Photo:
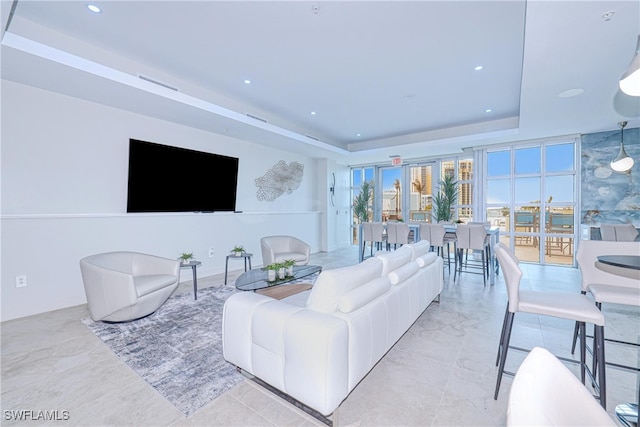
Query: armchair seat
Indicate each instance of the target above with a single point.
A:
(281, 248)
(123, 286)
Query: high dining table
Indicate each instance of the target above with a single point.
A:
(493, 231)
(627, 413)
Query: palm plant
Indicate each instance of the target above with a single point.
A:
(446, 198)
(362, 201)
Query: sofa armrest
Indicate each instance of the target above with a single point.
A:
(237, 315)
(299, 351)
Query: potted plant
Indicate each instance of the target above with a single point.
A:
(238, 250)
(282, 271)
(271, 272)
(362, 200)
(185, 257)
(289, 263)
(445, 199)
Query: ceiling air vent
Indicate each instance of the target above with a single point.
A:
(150, 80)
(257, 118)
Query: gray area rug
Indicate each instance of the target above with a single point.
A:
(178, 349)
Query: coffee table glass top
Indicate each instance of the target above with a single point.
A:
(257, 279)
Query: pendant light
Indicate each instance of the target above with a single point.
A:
(630, 80)
(623, 162)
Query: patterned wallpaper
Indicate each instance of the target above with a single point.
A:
(609, 196)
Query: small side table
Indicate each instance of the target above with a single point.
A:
(193, 265)
(245, 255)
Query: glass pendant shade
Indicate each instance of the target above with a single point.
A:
(623, 162)
(630, 80)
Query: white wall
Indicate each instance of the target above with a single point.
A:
(64, 181)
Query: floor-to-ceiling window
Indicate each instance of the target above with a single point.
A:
(462, 170)
(530, 195)
(421, 192)
(392, 191)
(360, 176)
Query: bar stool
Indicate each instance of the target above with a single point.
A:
(472, 237)
(600, 278)
(577, 307)
(439, 240)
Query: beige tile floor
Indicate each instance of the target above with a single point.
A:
(441, 372)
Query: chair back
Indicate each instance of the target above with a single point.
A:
(471, 236)
(391, 232)
(511, 272)
(425, 232)
(626, 233)
(608, 232)
(367, 232)
(618, 232)
(402, 233)
(377, 231)
(542, 390)
(437, 234)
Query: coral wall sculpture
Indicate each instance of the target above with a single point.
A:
(281, 178)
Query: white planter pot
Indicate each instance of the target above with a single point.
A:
(282, 273)
(271, 275)
(290, 271)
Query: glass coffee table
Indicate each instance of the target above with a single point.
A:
(253, 280)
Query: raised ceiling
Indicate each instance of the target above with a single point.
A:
(356, 80)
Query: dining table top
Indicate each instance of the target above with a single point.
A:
(623, 261)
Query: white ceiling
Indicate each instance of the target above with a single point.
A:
(400, 74)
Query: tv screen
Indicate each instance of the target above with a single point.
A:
(173, 179)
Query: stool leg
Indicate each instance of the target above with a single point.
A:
(504, 325)
(602, 381)
(505, 349)
(575, 333)
(583, 351)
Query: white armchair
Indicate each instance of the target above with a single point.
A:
(280, 248)
(122, 286)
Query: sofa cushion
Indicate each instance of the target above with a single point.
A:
(332, 284)
(419, 248)
(403, 272)
(426, 259)
(362, 295)
(393, 260)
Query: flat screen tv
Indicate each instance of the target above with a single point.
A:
(172, 179)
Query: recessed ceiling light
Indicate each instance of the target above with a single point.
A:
(571, 92)
(313, 113)
(357, 134)
(93, 8)
(247, 82)
(488, 110)
(478, 68)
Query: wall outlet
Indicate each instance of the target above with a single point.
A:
(21, 281)
(211, 252)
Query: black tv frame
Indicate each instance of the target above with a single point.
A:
(164, 178)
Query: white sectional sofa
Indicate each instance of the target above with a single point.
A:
(316, 346)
